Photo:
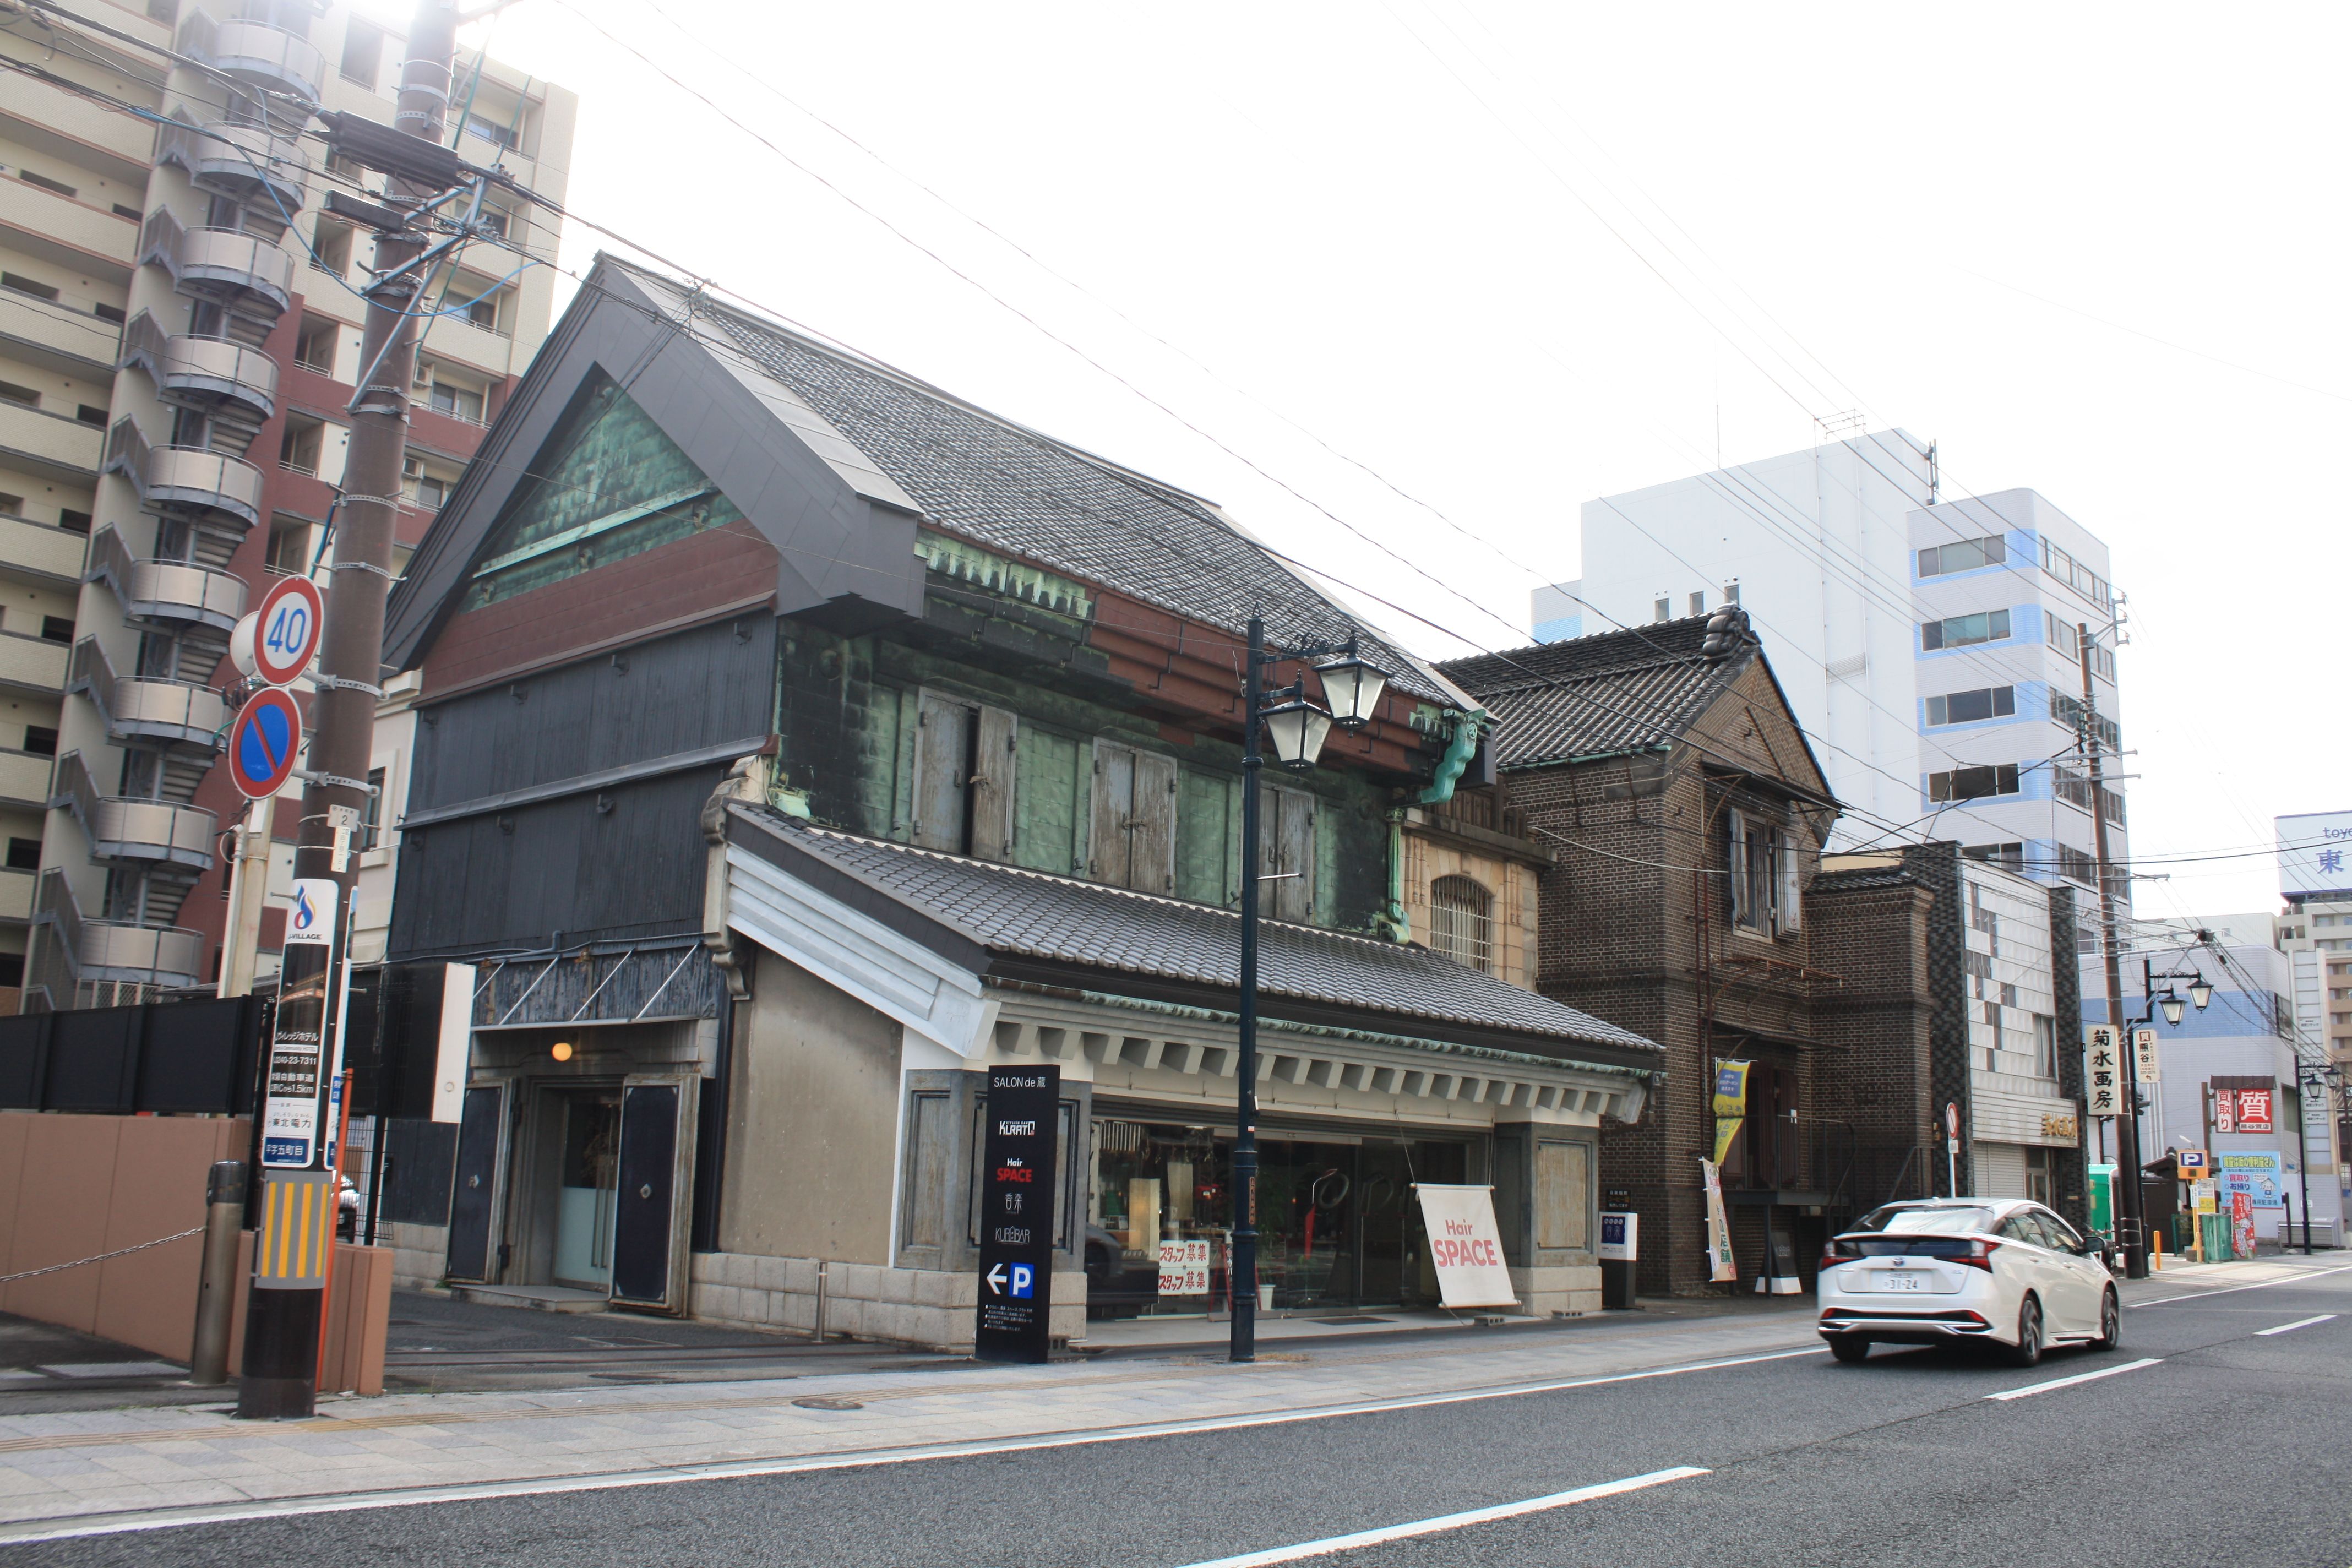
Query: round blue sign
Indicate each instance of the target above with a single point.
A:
(262, 743)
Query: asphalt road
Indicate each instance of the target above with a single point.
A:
(2233, 1446)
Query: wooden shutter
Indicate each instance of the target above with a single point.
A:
(994, 755)
(942, 753)
(1737, 859)
(1287, 827)
(1788, 893)
(1151, 840)
(1107, 844)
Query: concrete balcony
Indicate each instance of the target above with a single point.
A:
(209, 373)
(210, 485)
(25, 780)
(114, 951)
(49, 445)
(16, 895)
(224, 267)
(139, 832)
(32, 549)
(250, 162)
(170, 593)
(81, 132)
(270, 55)
(179, 713)
(58, 337)
(35, 666)
(66, 227)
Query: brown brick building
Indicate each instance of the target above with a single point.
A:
(1664, 767)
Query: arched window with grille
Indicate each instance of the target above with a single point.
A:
(1462, 922)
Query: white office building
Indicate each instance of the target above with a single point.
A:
(1929, 646)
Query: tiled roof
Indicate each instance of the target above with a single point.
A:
(1003, 485)
(1597, 696)
(1031, 914)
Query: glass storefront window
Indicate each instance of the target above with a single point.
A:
(1338, 1227)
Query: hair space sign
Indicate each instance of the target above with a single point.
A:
(1465, 1246)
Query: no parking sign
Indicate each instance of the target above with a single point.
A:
(263, 741)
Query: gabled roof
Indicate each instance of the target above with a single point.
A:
(833, 457)
(1024, 924)
(1599, 696)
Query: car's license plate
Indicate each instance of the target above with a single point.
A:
(1899, 1279)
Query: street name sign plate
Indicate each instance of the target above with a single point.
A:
(1016, 1214)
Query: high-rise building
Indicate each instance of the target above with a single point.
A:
(1929, 646)
(179, 339)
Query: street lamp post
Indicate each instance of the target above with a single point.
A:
(1298, 728)
(2200, 991)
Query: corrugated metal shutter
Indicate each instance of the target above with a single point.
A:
(2000, 1171)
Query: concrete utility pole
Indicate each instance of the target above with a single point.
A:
(280, 1376)
(2130, 1217)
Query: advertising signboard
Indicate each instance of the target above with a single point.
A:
(2259, 1176)
(2255, 1110)
(1465, 1246)
(1016, 1213)
(2103, 1071)
(2314, 853)
(303, 1031)
(2242, 1225)
(2146, 1062)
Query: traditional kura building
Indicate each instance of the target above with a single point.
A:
(795, 740)
(1692, 904)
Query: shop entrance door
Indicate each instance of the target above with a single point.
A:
(586, 1200)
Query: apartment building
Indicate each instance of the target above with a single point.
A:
(178, 337)
(1928, 648)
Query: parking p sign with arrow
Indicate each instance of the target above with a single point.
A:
(1016, 1213)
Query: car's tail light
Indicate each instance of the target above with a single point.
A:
(1838, 1252)
(1978, 1255)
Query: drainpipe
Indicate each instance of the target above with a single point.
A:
(1457, 760)
(1393, 922)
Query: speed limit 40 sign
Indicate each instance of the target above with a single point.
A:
(279, 639)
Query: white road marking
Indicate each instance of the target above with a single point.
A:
(2078, 1377)
(2290, 1328)
(743, 1469)
(2233, 1289)
(1449, 1521)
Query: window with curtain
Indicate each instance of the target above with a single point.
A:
(1462, 922)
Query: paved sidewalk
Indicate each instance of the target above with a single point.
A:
(73, 1465)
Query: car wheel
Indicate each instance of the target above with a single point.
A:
(2027, 1352)
(2111, 1322)
(1848, 1347)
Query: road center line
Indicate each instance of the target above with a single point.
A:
(2078, 1377)
(2233, 1289)
(2290, 1328)
(175, 1518)
(1445, 1521)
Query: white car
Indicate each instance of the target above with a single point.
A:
(1944, 1271)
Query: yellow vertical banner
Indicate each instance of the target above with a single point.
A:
(1730, 1104)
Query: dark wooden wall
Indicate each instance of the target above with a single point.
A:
(614, 862)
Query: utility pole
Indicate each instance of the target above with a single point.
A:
(2129, 1204)
(280, 1376)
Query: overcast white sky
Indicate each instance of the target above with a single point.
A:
(1393, 224)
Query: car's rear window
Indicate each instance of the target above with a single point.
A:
(1898, 1221)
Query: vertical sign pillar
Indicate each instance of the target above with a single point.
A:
(1016, 1214)
(281, 1324)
